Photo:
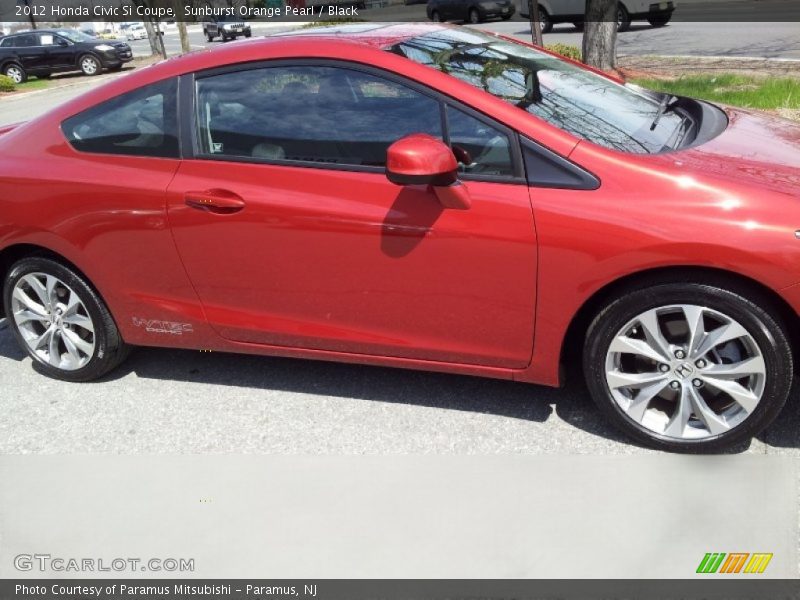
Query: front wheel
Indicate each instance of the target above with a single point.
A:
(90, 65)
(60, 321)
(688, 367)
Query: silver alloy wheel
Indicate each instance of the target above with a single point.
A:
(15, 73)
(685, 371)
(89, 65)
(53, 321)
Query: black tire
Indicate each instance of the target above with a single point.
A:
(248, 34)
(84, 63)
(659, 21)
(473, 16)
(110, 350)
(753, 312)
(544, 19)
(225, 38)
(436, 17)
(623, 18)
(16, 72)
(209, 37)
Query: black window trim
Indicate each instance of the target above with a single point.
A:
(191, 143)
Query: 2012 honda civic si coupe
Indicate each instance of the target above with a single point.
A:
(419, 196)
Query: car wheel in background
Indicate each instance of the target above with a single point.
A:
(16, 73)
(209, 37)
(688, 367)
(60, 321)
(659, 21)
(436, 17)
(623, 18)
(544, 19)
(474, 16)
(90, 65)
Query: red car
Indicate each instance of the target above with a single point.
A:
(419, 196)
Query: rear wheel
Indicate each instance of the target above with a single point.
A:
(688, 367)
(16, 73)
(474, 16)
(90, 65)
(436, 17)
(659, 21)
(60, 321)
(623, 18)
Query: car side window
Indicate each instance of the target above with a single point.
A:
(27, 40)
(479, 148)
(8, 43)
(47, 39)
(316, 114)
(140, 123)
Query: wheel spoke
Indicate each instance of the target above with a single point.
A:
(720, 335)
(50, 288)
(629, 345)
(80, 321)
(680, 419)
(639, 405)
(40, 290)
(54, 354)
(41, 341)
(25, 315)
(694, 320)
(713, 422)
(29, 302)
(652, 331)
(82, 345)
(618, 379)
(740, 394)
(72, 350)
(737, 370)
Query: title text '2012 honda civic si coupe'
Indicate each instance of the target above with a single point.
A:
(421, 196)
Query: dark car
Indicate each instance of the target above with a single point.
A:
(47, 51)
(471, 11)
(228, 28)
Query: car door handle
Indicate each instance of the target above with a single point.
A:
(222, 202)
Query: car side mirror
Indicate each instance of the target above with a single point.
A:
(421, 159)
(62, 42)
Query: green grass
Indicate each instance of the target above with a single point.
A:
(735, 90)
(32, 84)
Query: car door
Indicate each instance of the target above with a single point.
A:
(293, 236)
(59, 53)
(31, 53)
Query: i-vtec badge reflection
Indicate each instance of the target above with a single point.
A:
(49, 563)
(158, 326)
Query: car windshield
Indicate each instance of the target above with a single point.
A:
(576, 100)
(75, 36)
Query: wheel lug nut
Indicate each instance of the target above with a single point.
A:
(675, 385)
(663, 368)
(697, 383)
(680, 354)
(700, 364)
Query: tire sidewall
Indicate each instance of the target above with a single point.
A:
(765, 330)
(90, 300)
(99, 66)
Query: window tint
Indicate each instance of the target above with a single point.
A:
(142, 122)
(480, 148)
(25, 41)
(8, 43)
(316, 114)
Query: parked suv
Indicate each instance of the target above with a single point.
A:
(227, 28)
(551, 12)
(47, 51)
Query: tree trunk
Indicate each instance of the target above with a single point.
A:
(600, 34)
(182, 33)
(536, 24)
(152, 37)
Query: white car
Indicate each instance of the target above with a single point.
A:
(136, 32)
(551, 12)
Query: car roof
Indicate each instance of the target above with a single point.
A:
(377, 35)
